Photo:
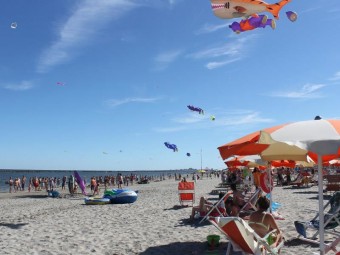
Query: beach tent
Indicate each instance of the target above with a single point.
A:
(321, 138)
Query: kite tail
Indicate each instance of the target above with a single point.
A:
(275, 8)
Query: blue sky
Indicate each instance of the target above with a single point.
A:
(103, 84)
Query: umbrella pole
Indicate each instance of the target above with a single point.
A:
(270, 186)
(321, 213)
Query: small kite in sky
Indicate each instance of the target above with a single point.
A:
(105, 153)
(171, 146)
(14, 25)
(212, 117)
(292, 16)
(196, 109)
(59, 83)
(188, 154)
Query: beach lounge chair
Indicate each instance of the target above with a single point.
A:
(186, 191)
(216, 210)
(298, 181)
(250, 202)
(242, 237)
(333, 182)
(332, 221)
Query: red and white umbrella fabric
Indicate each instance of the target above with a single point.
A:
(321, 138)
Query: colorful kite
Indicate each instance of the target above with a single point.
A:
(252, 23)
(212, 117)
(196, 109)
(229, 9)
(171, 146)
(292, 16)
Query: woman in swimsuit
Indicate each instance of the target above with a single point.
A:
(263, 222)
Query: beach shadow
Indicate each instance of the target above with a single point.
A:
(32, 196)
(298, 242)
(12, 225)
(186, 248)
(177, 207)
(193, 223)
(305, 192)
(298, 188)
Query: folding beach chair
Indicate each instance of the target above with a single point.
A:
(250, 202)
(331, 222)
(186, 191)
(242, 237)
(216, 210)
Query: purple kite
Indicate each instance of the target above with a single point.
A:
(292, 16)
(252, 23)
(196, 109)
(171, 146)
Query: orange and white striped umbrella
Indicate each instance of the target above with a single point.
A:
(321, 138)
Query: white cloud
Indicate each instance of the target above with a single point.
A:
(24, 85)
(170, 129)
(164, 59)
(227, 52)
(336, 77)
(117, 102)
(216, 64)
(207, 28)
(190, 118)
(247, 117)
(80, 27)
(228, 49)
(308, 91)
(223, 119)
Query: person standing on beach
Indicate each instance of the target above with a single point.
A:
(63, 183)
(96, 187)
(120, 181)
(10, 182)
(93, 183)
(30, 182)
(23, 181)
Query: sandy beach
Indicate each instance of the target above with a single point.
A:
(32, 223)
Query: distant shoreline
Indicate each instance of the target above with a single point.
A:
(88, 170)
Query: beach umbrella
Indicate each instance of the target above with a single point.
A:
(333, 162)
(321, 138)
(248, 161)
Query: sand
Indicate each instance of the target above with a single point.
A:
(32, 223)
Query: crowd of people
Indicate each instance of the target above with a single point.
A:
(51, 183)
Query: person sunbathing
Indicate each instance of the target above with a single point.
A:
(263, 222)
(205, 206)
